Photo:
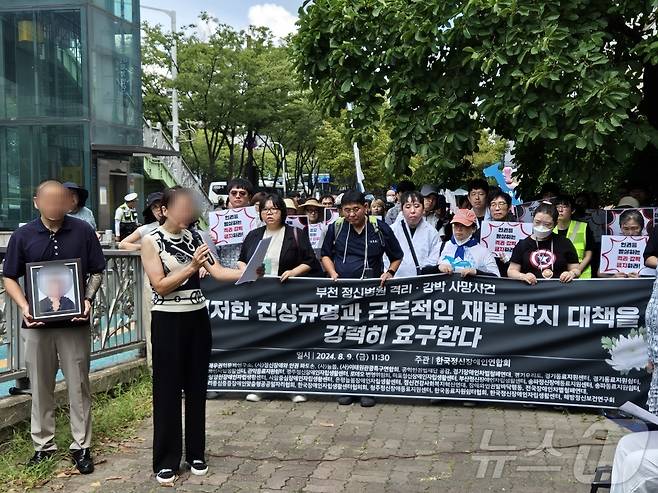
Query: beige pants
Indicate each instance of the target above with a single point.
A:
(45, 350)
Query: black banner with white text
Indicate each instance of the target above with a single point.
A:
(439, 337)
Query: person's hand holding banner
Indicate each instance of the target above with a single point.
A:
(529, 278)
(385, 277)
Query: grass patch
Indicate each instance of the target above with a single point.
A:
(117, 415)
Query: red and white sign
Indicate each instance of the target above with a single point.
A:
(624, 254)
(230, 226)
(500, 237)
(330, 215)
(299, 222)
(316, 233)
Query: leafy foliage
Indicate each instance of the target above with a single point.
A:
(574, 84)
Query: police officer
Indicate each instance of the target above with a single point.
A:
(125, 217)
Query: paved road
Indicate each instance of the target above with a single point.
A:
(397, 446)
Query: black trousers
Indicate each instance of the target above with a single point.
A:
(181, 353)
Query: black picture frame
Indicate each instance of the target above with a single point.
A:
(65, 275)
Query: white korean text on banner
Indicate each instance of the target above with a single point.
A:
(230, 226)
(439, 337)
(500, 237)
(624, 254)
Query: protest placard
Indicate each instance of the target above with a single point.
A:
(316, 234)
(330, 215)
(613, 216)
(500, 237)
(434, 337)
(525, 211)
(230, 226)
(300, 222)
(624, 254)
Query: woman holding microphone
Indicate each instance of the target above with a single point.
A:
(180, 326)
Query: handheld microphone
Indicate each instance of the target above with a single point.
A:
(198, 242)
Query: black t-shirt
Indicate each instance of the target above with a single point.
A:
(555, 253)
(651, 249)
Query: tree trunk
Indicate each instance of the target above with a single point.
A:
(250, 169)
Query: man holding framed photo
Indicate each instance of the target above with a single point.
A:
(63, 263)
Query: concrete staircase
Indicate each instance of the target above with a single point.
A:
(172, 170)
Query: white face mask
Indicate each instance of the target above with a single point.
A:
(541, 232)
(390, 199)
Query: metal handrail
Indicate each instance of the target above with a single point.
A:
(155, 137)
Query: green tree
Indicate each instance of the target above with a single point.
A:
(574, 84)
(335, 154)
(234, 87)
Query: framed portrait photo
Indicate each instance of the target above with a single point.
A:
(55, 290)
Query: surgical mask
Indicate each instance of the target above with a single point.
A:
(390, 199)
(541, 232)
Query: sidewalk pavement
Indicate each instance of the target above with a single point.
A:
(396, 446)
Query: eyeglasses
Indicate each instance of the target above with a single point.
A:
(271, 210)
(499, 205)
(238, 193)
(349, 211)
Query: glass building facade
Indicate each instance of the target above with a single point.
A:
(69, 84)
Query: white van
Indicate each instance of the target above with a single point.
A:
(217, 191)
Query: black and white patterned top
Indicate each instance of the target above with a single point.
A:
(176, 253)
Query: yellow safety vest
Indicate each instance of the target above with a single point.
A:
(577, 233)
(128, 215)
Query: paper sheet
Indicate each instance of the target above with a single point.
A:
(634, 410)
(256, 261)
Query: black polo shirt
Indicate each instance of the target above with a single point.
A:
(348, 249)
(75, 239)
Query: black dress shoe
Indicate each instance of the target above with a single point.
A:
(39, 456)
(83, 461)
(346, 400)
(367, 401)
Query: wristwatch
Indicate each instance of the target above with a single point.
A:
(391, 272)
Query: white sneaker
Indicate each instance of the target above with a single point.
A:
(165, 476)
(198, 468)
(298, 398)
(253, 397)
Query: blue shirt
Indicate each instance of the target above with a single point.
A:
(36, 243)
(348, 250)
